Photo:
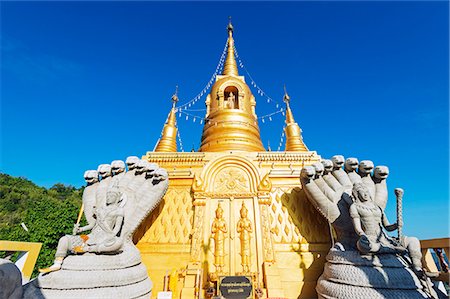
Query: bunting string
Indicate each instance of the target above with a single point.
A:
(259, 90)
(180, 142)
(186, 113)
(210, 82)
(182, 114)
(281, 139)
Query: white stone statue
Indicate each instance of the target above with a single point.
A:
(104, 171)
(104, 235)
(365, 172)
(380, 173)
(89, 194)
(104, 262)
(368, 221)
(365, 262)
(350, 167)
(117, 168)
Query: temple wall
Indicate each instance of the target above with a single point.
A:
(298, 235)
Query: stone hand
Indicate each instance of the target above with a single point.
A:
(76, 229)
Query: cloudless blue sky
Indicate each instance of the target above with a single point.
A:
(85, 83)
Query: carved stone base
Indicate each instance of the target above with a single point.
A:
(350, 275)
(90, 275)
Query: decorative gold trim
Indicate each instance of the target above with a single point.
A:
(308, 247)
(32, 249)
(163, 248)
(265, 184)
(175, 157)
(306, 157)
(225, 195)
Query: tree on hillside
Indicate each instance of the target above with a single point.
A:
(47, 213)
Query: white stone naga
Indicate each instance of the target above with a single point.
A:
(364, 262)
(104, 263)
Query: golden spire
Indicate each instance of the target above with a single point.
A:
(168, 140)
(230, 67)
(231, 123)
(294, 140)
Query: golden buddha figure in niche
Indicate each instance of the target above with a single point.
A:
(219, 231)
(231, 101)
(244, 228)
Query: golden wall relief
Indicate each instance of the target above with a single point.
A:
(172, 221)
(244, 228)
(294, 220)
(219, 231)
(197, 231)
(231, 237)
(266, 234)
(231, 179)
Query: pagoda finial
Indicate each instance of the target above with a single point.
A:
(230, 26)
(175, 97)
(230, 66)
(286, 97)
(287, 100)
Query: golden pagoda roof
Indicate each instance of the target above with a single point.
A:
(168, 140)
(294, 140)
(231, 121)
(230, 67)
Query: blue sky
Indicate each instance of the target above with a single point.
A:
(85, 83)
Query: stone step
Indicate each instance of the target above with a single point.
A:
(329, 289)
(70, 279)
(139, 290)
(376, 277)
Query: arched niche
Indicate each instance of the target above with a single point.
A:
(231, 97)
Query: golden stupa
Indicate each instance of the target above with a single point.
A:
(233, 208)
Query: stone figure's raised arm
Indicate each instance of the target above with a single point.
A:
(84, 228)
(320, 201)
(387, 225)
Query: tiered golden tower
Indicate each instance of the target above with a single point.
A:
(233, 208)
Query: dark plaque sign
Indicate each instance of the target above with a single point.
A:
(236, 287)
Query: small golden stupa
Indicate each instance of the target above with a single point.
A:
(233, 208)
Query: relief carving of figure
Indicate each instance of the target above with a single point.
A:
(219, 231)
(244, 228)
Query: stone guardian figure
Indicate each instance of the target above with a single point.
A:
(364, 262)
(103, 236)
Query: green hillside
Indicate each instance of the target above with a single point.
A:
(47, 213)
